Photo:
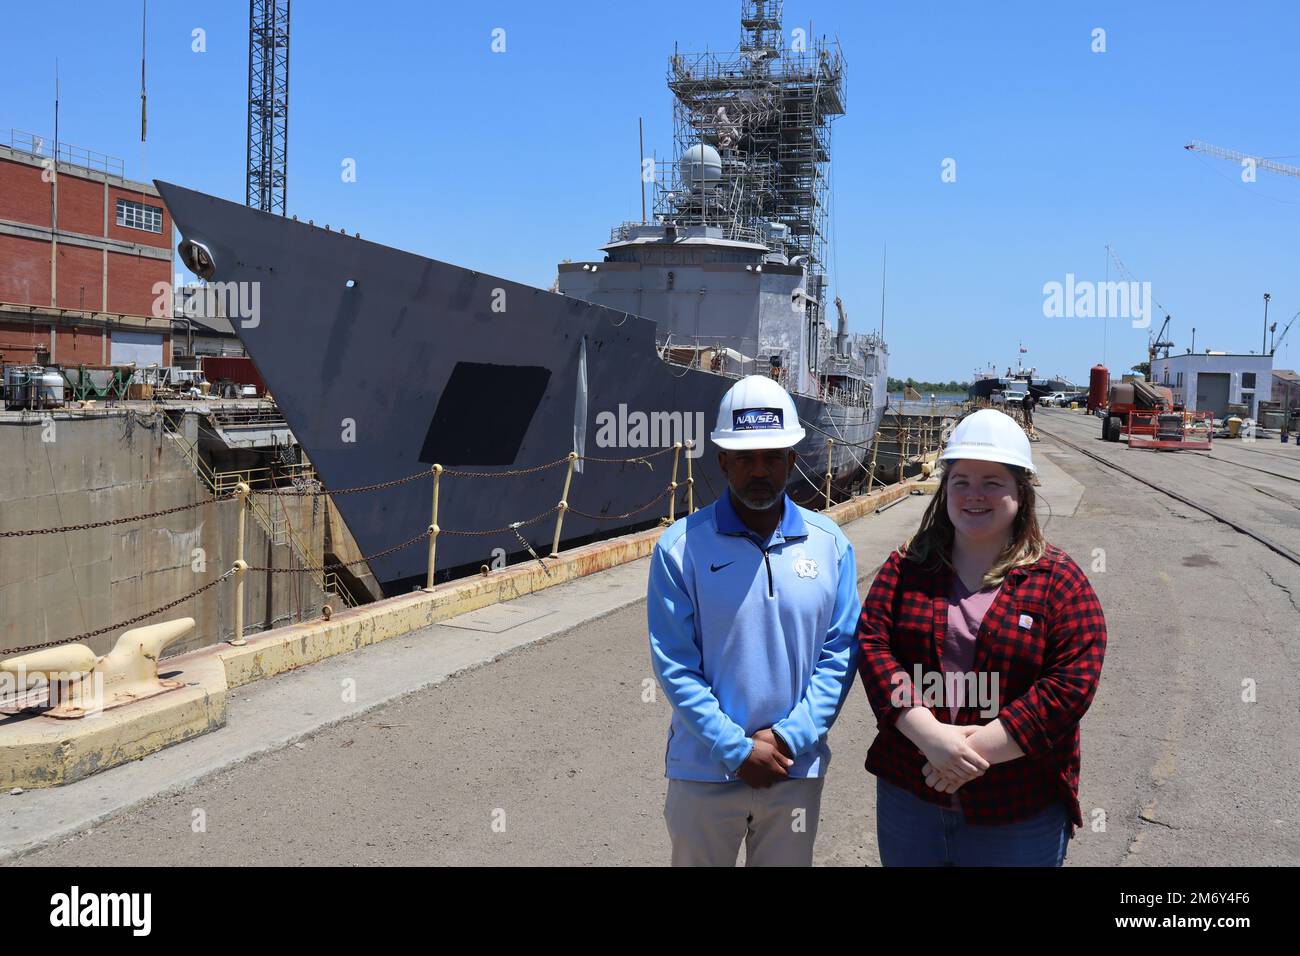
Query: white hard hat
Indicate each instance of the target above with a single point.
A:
(755, 413)
(989, 435)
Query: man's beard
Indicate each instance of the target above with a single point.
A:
(763, 500)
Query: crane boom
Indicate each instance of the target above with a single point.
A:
(1232, 155)
(1278, 341)
(1128, 276)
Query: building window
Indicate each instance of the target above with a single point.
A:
(1247, 379)
(136, 215)
(1180, 379)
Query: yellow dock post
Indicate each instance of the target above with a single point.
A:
(902, 448)
(241, 566)
(564, 505)
(672, 488)
(830, 442)
(690, 480)
(433, 528)
(875, 447)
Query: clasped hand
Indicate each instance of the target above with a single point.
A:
(951, 761)
(768, 762)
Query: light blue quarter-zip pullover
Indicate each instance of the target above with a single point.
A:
(747, 634)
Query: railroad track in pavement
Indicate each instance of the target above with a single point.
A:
(1274, 546)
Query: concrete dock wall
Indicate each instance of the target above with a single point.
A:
(67, 468)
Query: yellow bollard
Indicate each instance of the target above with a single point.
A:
(241, 566)
(564, 505)
(83, 685)
(672, 487)
(433, 528)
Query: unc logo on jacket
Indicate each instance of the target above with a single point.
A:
(803, 556)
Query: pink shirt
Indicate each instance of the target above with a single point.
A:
(966, 610)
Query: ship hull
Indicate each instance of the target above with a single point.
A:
(385, 363)
(985, 387)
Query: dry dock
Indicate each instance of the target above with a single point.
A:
(537, 713)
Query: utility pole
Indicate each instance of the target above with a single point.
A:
(1264, 341)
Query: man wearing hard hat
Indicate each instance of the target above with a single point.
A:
(753, 608)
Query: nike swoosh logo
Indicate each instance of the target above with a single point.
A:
(719, 567)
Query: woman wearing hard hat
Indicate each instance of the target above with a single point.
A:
(982, 646)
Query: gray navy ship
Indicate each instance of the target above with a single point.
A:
(385, 362)
(987, 381)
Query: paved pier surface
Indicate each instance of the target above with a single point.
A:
(533, 713)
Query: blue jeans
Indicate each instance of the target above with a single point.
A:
(912, 832)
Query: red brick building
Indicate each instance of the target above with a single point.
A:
(81, 251)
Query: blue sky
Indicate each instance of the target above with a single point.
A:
(507, 163)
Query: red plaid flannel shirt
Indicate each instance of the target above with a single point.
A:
(1047, 675)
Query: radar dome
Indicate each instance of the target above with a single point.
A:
(701, 161)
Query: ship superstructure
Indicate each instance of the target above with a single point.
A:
(733, 265)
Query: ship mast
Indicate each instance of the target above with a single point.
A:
(751, 133)
(751, 137)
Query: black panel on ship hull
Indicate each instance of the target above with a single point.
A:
(483, 414)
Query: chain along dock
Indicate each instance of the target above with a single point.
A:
(222, 556)
(257, 556)
(192, 505)
(1223, 522)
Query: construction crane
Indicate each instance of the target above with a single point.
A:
(1281, 169)
(1233, 156)
(268, 104)
(1154, 344)
(1278, 341)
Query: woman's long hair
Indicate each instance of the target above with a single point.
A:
(932, 543)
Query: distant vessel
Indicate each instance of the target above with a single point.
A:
(385, 362)
(986, 381)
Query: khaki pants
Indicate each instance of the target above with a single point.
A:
(707, 822)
